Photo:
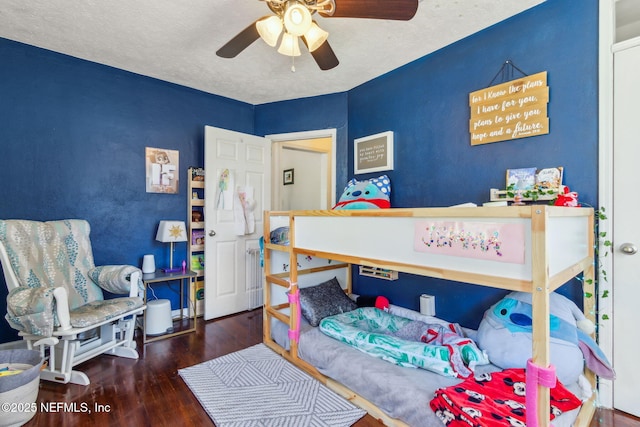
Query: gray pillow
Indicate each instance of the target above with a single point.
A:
(325, 299)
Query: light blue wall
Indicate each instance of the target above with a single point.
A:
(73, 135)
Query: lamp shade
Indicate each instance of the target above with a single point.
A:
(297, 19)
(289, 45)
(171, 231)
(269, 29)
(315, 36)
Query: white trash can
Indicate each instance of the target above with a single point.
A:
(158, 320)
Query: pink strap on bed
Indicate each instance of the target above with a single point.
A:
(537, 375)
(294, 298)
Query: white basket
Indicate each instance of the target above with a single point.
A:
(19, 392)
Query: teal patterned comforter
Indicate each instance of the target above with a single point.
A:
(371, 330)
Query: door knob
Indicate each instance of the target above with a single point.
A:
(212, 233)
(628, 248)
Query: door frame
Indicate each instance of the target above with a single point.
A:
(606, 41)
(301, 136)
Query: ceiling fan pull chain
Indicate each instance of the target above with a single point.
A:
(293, 65)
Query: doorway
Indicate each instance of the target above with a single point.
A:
(619, 31)
(237, 190)
(626, 232)
(303, 170)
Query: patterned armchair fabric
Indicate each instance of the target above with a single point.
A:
(46, 255)
(32, 310)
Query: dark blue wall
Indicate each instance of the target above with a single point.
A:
(73, 135)
(426, 105)
(73, 140)
(319, 112)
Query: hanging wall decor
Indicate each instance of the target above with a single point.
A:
(287, 177)
(162, 170)
(511, 110)
(373, 153)
(224, 192)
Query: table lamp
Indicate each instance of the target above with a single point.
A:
(171, 231)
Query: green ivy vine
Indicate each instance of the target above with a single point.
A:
(602, 249)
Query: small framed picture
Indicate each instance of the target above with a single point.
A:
(162, 170)
(373, 153)
(287, 176)
(521, 179)
(549, 178)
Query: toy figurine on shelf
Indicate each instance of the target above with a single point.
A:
(517, 199)
(567, 198)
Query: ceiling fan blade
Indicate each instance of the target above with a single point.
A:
(324, 56)
(399, 10)
(240, 42)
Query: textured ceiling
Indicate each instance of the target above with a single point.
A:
(176, 41)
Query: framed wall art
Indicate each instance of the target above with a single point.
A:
(162, 170)
(521, 179)
(287, 177)
(373, 153)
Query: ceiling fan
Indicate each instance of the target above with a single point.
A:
(292, 20)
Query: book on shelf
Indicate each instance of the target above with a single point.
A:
(197, 262)
(197, 237)
(197, 215)
(197, 174)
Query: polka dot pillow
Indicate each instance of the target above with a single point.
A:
(370, 194)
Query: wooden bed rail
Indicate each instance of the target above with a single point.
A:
(546, 238)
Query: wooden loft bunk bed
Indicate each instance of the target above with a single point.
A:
(557, 245)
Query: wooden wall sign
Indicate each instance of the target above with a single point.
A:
(511, 110)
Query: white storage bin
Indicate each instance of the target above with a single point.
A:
(19, 392)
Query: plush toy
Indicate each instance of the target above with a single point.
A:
(505, 334)
(380, 302)
(370, 194)
(568, 198)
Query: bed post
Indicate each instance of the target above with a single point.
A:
(589, 309)
(540, 304)
(266, 285)
(294, 303)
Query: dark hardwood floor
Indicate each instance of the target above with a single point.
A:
(149, 392)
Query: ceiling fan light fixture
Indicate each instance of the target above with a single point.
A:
(315, 36)
(270, 29)
(297, 19)
(289, 45)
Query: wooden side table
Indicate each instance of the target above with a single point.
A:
(183, 277)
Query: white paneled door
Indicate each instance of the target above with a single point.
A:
(237, 192)
(626, 229)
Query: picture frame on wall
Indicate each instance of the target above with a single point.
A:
(373, 153)
(162, 170)
(287, 177)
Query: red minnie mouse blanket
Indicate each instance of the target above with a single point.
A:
(495, 399)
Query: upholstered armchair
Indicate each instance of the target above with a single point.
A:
(56, 299)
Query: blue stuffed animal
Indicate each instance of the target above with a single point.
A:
(505, 334)
(371, 194)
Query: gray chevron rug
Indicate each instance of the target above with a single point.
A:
(257, 387)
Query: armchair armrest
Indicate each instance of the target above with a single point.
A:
(118, 279)
(62, 307)
(31, 310)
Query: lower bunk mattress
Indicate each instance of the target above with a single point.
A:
(401, 392)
